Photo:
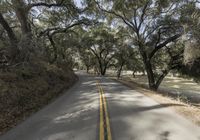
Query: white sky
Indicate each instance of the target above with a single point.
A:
(78, 3)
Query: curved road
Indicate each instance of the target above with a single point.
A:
(98, 108)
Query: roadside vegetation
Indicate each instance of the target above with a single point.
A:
(149, 36)
(35, 65)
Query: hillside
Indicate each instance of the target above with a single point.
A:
(26, 89)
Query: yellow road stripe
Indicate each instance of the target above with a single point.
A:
(107, 117)
(101, 134)
(103, 106)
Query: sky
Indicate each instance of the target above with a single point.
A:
(78, 3)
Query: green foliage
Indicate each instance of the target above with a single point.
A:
(60, 31)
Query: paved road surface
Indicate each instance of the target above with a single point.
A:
(128, 115)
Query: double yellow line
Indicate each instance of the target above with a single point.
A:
(105, 131)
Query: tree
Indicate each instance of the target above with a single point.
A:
(154, 25)
(87, 58)
(124, 50)
(68, 28)
(135, 64)
(101, 42)
(190, 14)
(24, 14)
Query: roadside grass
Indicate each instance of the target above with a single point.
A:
(184, 89)
(172, 83)
(190, 112)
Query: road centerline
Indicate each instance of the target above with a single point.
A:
(105, 131)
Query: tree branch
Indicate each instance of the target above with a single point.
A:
(11, 34)
(125, 20)
(49, 5)
(56, 30)
(80, 22)
(160, 46)
(143, 14)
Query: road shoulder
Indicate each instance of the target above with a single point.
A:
(188, 111)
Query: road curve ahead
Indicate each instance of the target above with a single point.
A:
(97, 108)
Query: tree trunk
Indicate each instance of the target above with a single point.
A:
(11, 35)
(22, 15)
(133, 74)
(54, 48)
(26, 45)
(87, 69)
(160, 79)
(148, 67)
(103, 70)
(150, 75)
(120, 70)
(102, 67)
(96, 70)
(13, 50)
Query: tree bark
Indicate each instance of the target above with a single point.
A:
(103, 70)
(22, 15)
(148, 67)
(25, 44)
(133, 74)
(120, 70)
(160, 79)
(54, 48)
(11, 35)
(150, 75)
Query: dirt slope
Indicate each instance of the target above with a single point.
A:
(26, 88)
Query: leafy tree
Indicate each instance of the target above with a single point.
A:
(67, 22)
(154, 25)
(190, 17)
(135, 63)
(28, 24)
(87, 58)
(101, 42)
(124, 50)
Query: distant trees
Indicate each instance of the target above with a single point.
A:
(123, 55)
(87, 58)
(124, 50)
(135, 64)
(101, 43)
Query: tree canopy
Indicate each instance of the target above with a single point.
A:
(142, 35)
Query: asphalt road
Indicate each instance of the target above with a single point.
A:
(99, 108)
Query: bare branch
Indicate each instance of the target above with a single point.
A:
(143, 14)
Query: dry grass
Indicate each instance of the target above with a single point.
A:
(190, 112)
(172, 83)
